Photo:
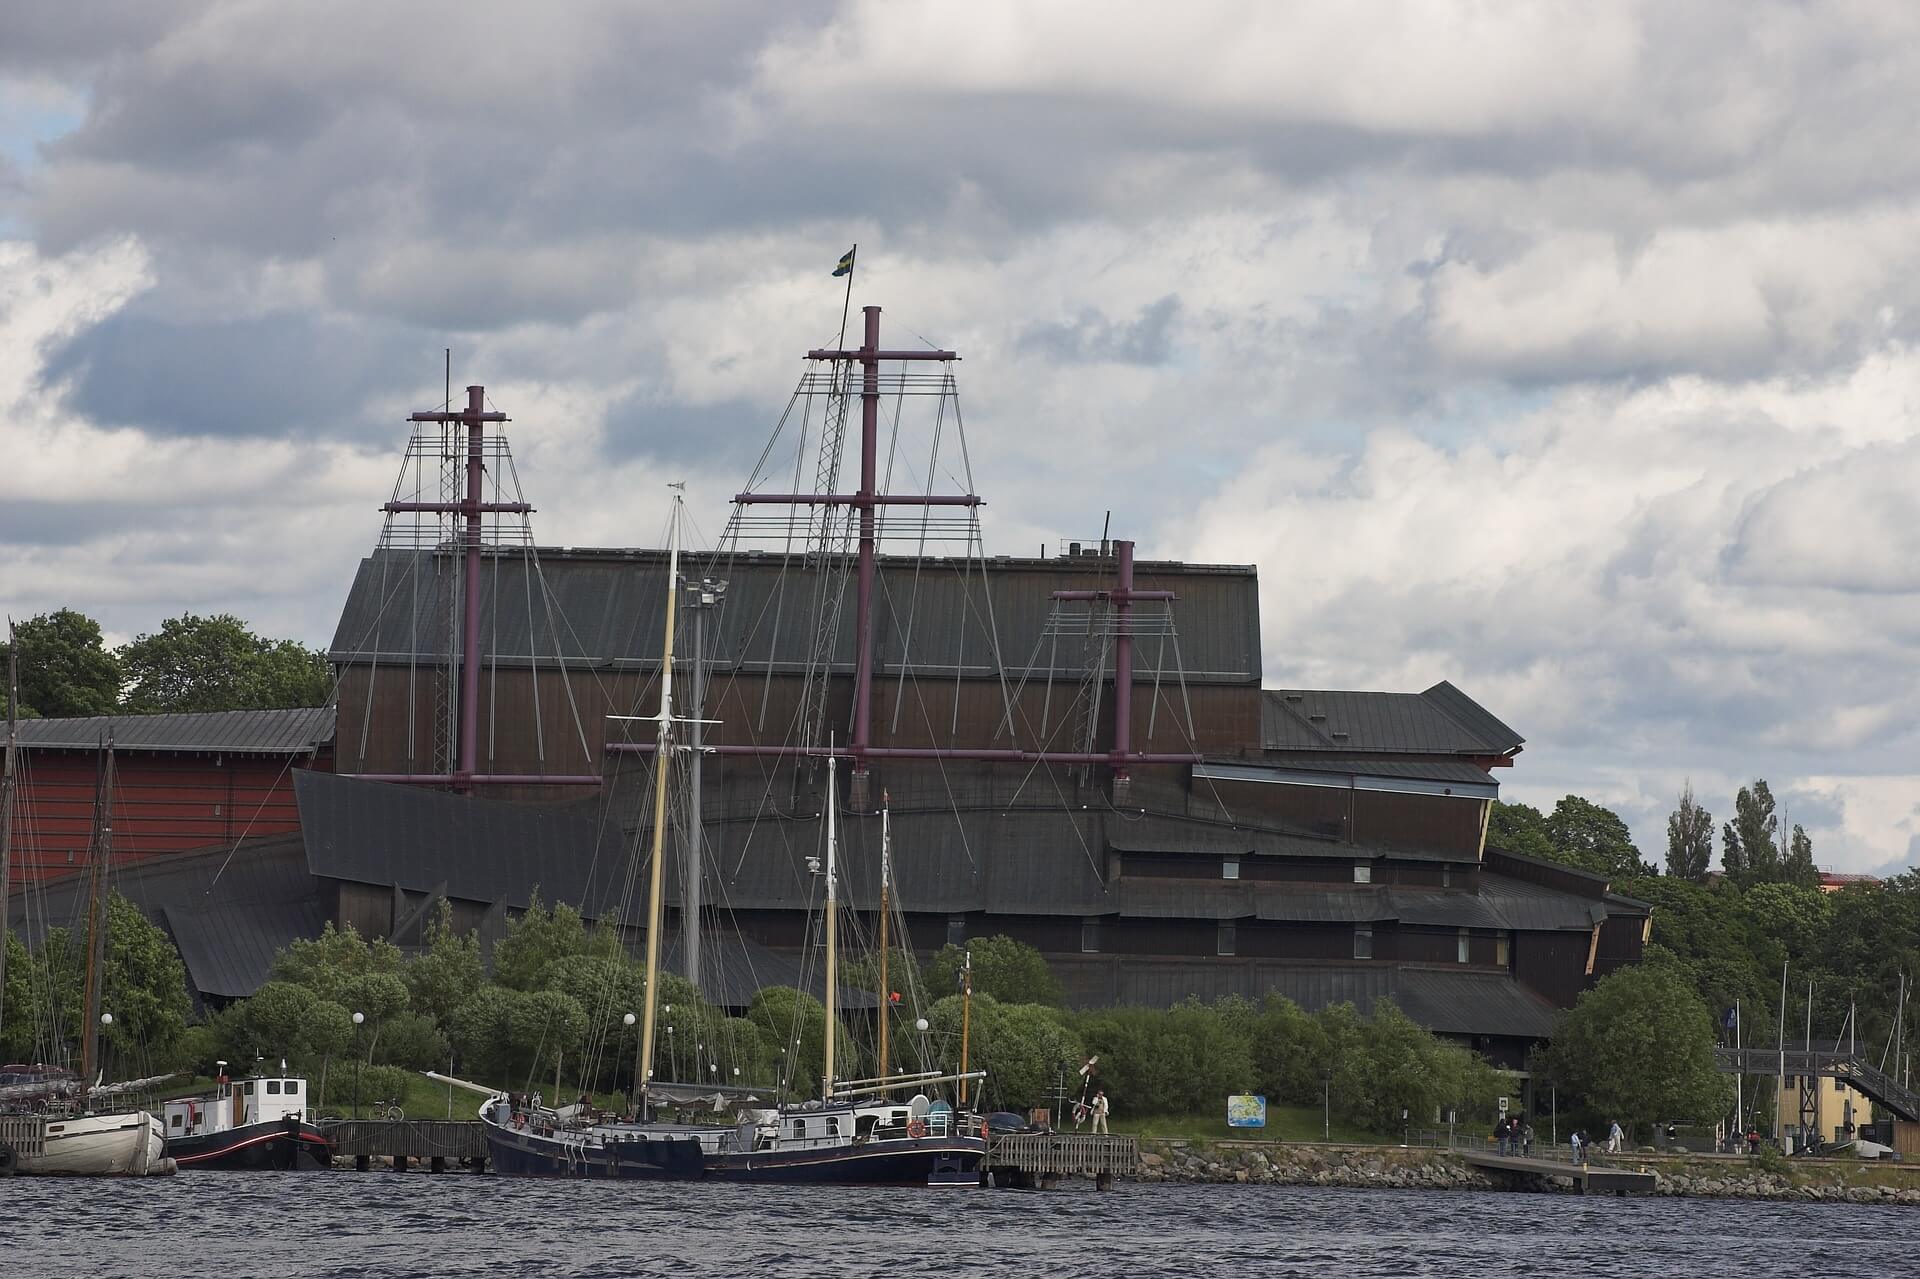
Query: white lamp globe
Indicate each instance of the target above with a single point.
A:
(358, 1018)
(920, 1023)
(628, 1019)
(106, 1019)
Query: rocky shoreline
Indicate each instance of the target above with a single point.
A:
(1396, 1168)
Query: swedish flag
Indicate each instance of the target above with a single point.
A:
(846, 262)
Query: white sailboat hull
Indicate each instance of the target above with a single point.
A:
(132, 1144)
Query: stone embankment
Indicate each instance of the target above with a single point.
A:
(1417, 1168)
(1280, 1164)
(1822, 1181)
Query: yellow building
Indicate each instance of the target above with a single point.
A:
(1828, 1109)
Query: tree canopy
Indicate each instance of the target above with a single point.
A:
(1638, 1048)
(1011, 971)
(64, 667)
(1689, 839)
(1578, 833)
(216, 663)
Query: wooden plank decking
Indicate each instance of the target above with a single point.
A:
(1043, 1158)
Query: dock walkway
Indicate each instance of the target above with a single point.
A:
(1589, 1179)
(1043, 1158)
(435, 1142)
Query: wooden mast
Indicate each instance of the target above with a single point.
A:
(97, 916)
(6, 812)
(662, 761)
(833, 912)
(886, 991)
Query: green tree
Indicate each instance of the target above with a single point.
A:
(1638, 1047)
(1290, 1052)
(1593, 838)
(1011, 971)
(145, 988)
(1689, 839)
(1796, 865)
(65, 669)
(327, 964)
(1793, 916)
(795, 1024)
(539, 937)
(445, 971)
(1522, 829)
(18, 1011)
(215, 663)
(1749, 844)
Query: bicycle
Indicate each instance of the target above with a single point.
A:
(388, 1110)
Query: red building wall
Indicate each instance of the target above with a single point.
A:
(162, 803)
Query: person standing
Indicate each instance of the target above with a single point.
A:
(1526, 1139)
(1100, 1111)
(1574, 1137)
(1614, 1138)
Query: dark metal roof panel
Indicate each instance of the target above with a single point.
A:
(1442, 721)
(229, 949)
(604, 608)
(1526, 907)
(1471, 715)
(480, 850)
(1185, 899)
(1323, 906)
(1472, 1003)
(278, 732)
(1156, 834)
(1444, 909)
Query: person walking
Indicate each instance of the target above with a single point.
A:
(1100, 1110)
(1526, 1139)
(1574, 1137)
(1614, 1138)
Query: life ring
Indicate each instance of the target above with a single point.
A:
(916, 1127)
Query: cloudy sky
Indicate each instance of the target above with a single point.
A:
(1568, 352)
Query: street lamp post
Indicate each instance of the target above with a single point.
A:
(634, 1096)
(359, 1019)
(106, 1024)
(1326, 1104)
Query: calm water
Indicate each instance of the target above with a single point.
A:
(237, 1226)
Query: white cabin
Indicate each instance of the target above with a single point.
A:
(237, 1103)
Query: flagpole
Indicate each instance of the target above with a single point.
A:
(847, 305)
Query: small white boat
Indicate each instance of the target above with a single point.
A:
(128, 1144)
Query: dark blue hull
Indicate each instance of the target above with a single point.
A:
(519, 1152)
(878, 1163)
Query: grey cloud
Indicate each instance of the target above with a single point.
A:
(279, 374)
(727, 436)
(1090, 337)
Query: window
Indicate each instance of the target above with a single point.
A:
(1223, 945)
(1230, 868)
(177, 1120)
(799, 1130)
(833, 1126)
(249, 1088)
(1446, 877)
(1363, 943)
(273, 1086)
(1363, 874)
(1089, 936)
(1461, 946)
(1839, 1086)
(1502, 949)
(956, 929)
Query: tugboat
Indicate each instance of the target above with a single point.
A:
(254, 1124)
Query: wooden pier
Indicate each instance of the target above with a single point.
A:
(437, 1143)
(1588, 1179)
(1024, 1159)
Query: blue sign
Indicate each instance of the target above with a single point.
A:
(1246, 1112)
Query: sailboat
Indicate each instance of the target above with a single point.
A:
(47, 1123)
(535, 1141)
(855, 1132)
